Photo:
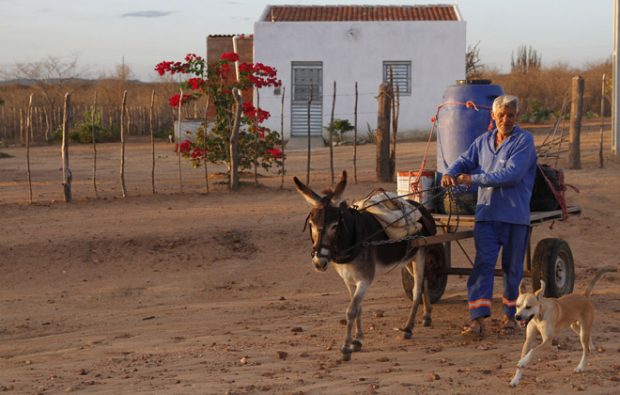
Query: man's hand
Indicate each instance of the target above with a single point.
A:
(464, 179)
(447, 181)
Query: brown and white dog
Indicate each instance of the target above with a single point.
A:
(549, 315)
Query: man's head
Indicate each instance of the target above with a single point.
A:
(504, 112)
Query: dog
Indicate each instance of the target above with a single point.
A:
(549, 315)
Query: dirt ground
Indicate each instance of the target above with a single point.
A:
(195, 293)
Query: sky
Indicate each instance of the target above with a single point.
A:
(104, 33)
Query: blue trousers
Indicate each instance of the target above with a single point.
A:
(489, 236)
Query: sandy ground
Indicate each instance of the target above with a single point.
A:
(194, 293)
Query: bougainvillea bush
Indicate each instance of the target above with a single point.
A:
(257, 144)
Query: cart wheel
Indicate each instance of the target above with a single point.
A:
(435, 270)
(553, 263)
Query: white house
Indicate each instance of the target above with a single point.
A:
(317, 45)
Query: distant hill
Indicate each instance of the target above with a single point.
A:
(81, 81)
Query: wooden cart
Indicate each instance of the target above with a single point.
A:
(552, 260)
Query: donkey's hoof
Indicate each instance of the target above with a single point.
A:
(407, 334)
(357, 345)
(427, 321)
(346, 356)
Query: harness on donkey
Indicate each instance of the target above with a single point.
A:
(358, 228)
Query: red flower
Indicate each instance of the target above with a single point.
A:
(247, 108)
(276, 153)
(190, 57)
(174, 100)
(254, 113)
(163, 67)
(185, 147)
(195, 83)
(230, 56)
(198, 153)
(224, 70)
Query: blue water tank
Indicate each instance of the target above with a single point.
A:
(464, 115)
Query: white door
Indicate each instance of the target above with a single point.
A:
(307, 77)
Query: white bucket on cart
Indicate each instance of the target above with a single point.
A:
(418, 187)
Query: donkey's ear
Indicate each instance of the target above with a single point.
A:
(541, 291)
(311, 197)
(340, 187)
(522, 287)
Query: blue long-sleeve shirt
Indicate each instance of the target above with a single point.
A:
(504, 176)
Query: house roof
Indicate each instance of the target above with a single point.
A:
(365, 13)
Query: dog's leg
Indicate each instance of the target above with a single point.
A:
(416, 269)
(585, 337)
(530, 336)
(547, 337)
(353, 314)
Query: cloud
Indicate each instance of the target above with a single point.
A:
(146, 14)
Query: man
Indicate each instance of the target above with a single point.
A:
(502, 165)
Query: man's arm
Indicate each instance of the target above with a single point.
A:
(514, 170)
(464, 164)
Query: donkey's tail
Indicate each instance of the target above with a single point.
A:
(598, 275)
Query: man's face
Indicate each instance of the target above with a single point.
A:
(505, 119)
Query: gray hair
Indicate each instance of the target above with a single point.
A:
(506, 101)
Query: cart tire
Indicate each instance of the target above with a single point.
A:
(553, 263)
(435, 270)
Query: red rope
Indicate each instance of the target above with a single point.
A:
(468, 104)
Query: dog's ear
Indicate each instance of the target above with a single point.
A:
(522, 287)
(541, 291)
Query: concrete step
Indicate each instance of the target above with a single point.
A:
(301, 143)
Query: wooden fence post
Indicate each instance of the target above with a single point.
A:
(282, 133)
(574, 159)
(177, 140)
(66, 171)
(331, 133)
(600, 145)
(256, 141)
(123, 104)
(204, 154)
(234, 140)
(355, 136)
(152, 133)
(94, 137)
(309, 140)
(383, 133)
(28, 129)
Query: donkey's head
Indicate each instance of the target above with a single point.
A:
(323, 219)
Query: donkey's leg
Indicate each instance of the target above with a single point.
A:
(359, 333)
(428, 309)
(416, 269)
(353, 315)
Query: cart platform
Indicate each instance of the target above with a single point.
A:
(552, 260)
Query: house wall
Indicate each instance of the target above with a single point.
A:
(355, 51)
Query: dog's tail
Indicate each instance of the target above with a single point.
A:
(598, 275)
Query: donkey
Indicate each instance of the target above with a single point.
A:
(348, 238)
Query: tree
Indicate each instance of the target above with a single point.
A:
(52, 77)
(257, 145)
(527, 60)
(473, 66)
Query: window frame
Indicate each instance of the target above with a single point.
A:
(407, 72)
